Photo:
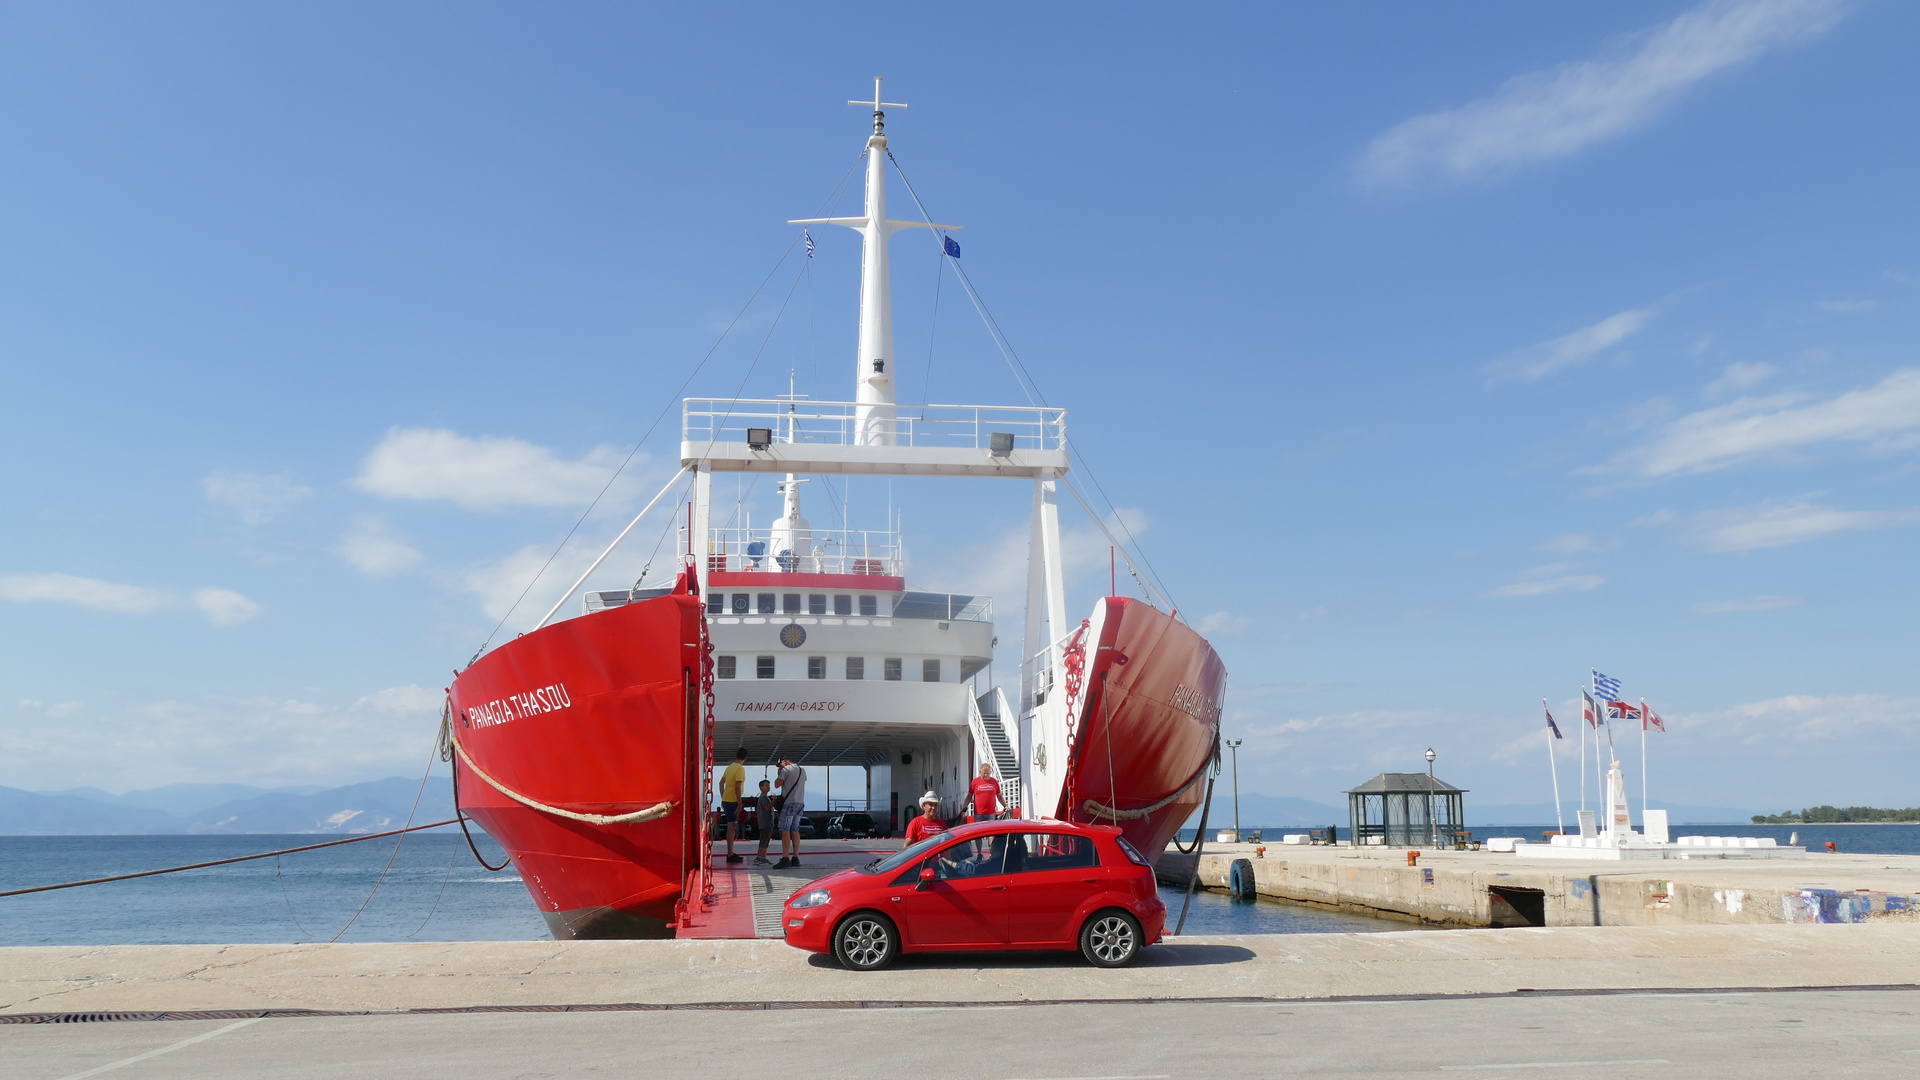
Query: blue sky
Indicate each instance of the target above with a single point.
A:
(1436, 353)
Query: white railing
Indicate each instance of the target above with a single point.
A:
(835, 423)
(822, 551)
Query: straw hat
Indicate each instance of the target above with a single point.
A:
(929, 797)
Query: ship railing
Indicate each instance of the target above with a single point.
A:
(860, 552)
(847, 423)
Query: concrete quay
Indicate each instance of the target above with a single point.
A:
(1482, 888)
(399, 978)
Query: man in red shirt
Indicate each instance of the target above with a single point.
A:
(986, 796)
(928, 823)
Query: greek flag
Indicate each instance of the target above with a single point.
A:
(951, 246)
(1607, 687)
(809, 236)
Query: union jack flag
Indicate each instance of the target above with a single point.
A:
(1620, 710)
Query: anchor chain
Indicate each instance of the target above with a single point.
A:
(1074, 660)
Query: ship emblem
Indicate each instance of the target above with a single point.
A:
(793, 635)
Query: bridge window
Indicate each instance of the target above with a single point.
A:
(856, 668)
(716, 603)
(817, 604)
(724, 666)
(890, 669)
(766, 603)
(790, 604)
(763, 667)
(740, 601)
(869, 605)
(816, 667)
(842, 604)
(929, 671)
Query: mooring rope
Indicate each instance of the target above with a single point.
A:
(1114, 814)
(657, 810)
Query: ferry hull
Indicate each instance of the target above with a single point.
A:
(1147, 730)
(600, 715)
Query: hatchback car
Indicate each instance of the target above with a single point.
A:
(987, 886)
(852, 826)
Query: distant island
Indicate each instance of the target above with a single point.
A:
(1839, 815)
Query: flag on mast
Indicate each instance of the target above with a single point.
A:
(1606, 686)
(1551, 726)
(1649, 719)
(809, 236)
(1588, 710)
(1620, 710)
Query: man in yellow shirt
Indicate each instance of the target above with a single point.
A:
(731, 782)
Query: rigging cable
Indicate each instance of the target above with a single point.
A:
(656, 421)
(398, 840)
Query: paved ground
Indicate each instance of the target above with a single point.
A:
(463, 974)
(1747, 1035)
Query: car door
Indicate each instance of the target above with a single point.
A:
(965, 904)
(1050, 876)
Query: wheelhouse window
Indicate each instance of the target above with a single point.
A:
(817, 603)
(724, 667)
(869, 605)
(929, 671)
(816, 667)
(790, 604)
(842, 604)
(716, 603)
(763, 667)
(856, 668)
(766, 603)
(890, 669)
(740, 602)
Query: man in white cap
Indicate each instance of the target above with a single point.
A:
(928, 823)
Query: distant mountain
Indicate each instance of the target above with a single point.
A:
(356, 808)
(176, 798)
(1542, 814)
(1270, 812)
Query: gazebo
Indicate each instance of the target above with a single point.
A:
(1407, 810)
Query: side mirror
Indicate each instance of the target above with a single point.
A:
(926, 879)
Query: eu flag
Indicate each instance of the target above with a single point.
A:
(951, 246)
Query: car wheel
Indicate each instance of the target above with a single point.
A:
(1111, 938)
(865, 941)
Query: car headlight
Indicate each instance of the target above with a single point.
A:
(812, 899)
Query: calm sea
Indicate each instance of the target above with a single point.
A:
(1858, 839)
(434, 892)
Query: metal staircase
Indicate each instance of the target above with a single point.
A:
(983, 716)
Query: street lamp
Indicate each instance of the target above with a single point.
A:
(1430, 756)
(1234, 746)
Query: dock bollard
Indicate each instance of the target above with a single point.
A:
(1831, 848)
(1413, 857)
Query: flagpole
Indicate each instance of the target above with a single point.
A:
(1583, 749)
(1643, 762)
(1559, 820)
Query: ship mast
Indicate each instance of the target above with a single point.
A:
(874, 386)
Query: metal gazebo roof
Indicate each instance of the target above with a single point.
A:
(1405, 783)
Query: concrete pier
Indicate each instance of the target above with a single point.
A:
(1482, 888)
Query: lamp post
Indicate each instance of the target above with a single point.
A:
(1433, 836)
(1234, 746)
(1430, 757)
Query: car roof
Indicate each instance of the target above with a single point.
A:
(1023, 824)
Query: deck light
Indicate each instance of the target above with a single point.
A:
(759, 438)
(1000, 443)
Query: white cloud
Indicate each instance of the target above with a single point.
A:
(1536, 362)
(402, 700)
(484, 473)
(1222, 623)
(257, 498)
(1548, 114)
(1848, 307)
(1312, 613)
(374, 552)
(222, 606)
(1755, 603)
(87, 592)
(1837, 720)
(1739, 376)
(1776, 523)
(1569, 542)
(1886, 415)
(1543, 586)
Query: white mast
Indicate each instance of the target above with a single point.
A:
(873, 363)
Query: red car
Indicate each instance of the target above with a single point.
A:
(990, 885)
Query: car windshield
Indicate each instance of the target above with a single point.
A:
(906, 855)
